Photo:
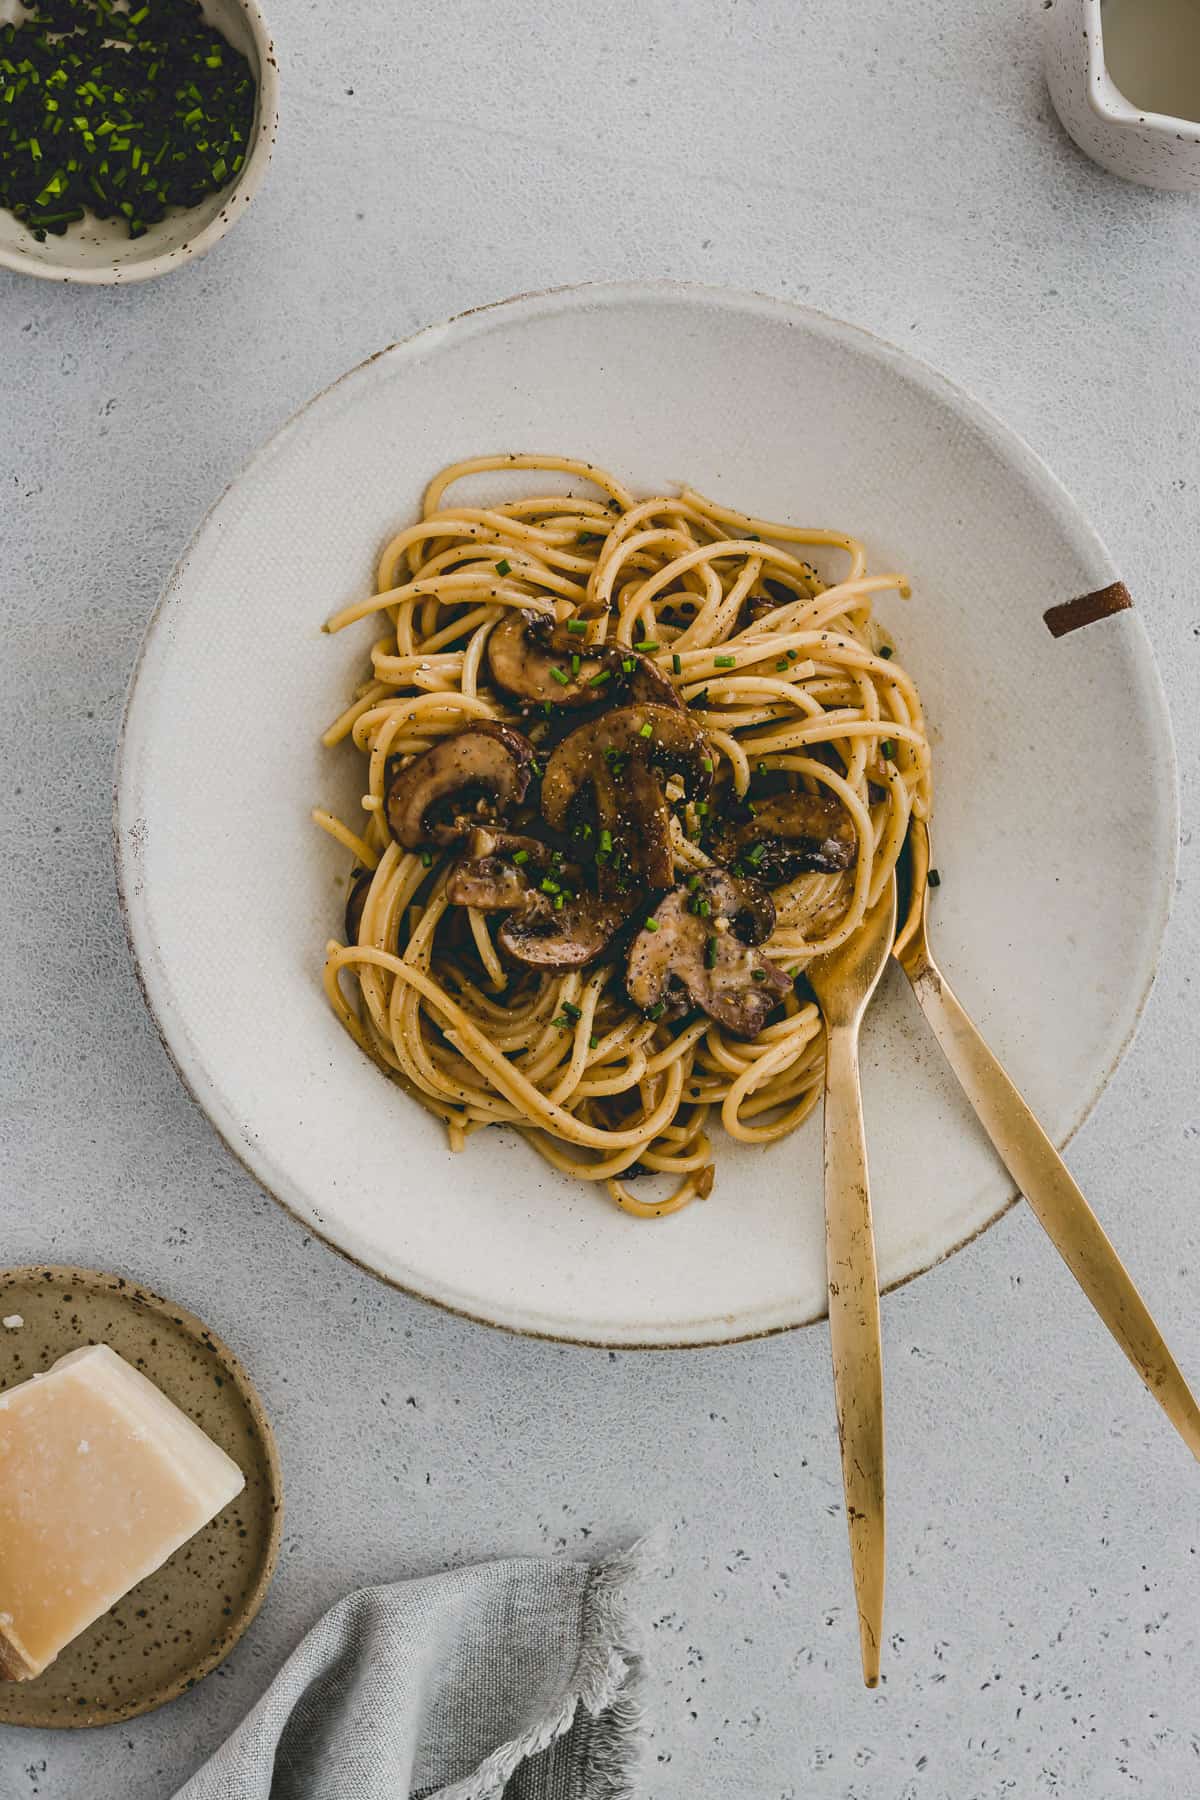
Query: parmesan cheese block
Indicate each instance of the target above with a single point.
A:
(101, 1479)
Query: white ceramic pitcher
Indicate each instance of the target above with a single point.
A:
(1142, 145)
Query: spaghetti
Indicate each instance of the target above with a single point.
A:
(629, 766)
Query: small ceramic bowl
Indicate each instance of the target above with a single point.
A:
(1148, 147)
(98, 251)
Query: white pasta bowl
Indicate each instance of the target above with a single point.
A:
(100, 252)
(1054, 823)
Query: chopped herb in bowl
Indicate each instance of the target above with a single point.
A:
(120, 114)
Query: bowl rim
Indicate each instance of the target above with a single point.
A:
(961, 400)
(116, 273)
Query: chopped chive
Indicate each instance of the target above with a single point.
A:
(647, 730)
(561, 676)
(520, 856)
(934, 878)
(725, 662)
(677, 664)
(651, 924)
(758, 974)
(693, 883)
(887, 750)
(710, 952)
(886, 651)
(503, 567)
(593, 1042)
(707, 765)
(646, 645)
(606, 840)
(657, 1010)
(571, 1011)
(782, 663)
(426, 859)
(558, 902)
(701, 808)
(703, 907)
(578, 627)
(590, 537)
(756, 853)
(600, 679)
(550, 887)
(575, 663)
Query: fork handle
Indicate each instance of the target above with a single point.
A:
(1047, 1184)
(854, 1334)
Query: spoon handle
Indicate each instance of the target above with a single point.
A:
(1046, 1182)
(854, 1333)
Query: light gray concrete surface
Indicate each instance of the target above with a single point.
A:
(895, 162)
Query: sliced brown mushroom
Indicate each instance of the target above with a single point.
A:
(457, 784)
(356, 899)
(786, 835)
(531, 658)
(698, 949)
(567, 937)
(499, 873)
(618, 758)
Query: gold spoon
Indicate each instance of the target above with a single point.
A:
(843, 981)
(1035, 1165)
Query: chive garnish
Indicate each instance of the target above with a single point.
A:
(575, 663)
(934, 879)
(426, 859)
(725, 662)
(561, 676)
(710, 952)
(758, 974)
(656, 1011)
(606, 840)
(677, 664)
(887, 750)
(571, 1010)
(504, 567)
(647, 644)
(520, 856)
(593, 1042)
(146, 110)
(628, 665)
(647, 730)
(651, 924)
(600, 679)
(577, 627)
(886, 651)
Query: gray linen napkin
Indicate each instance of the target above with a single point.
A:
(512, 1678)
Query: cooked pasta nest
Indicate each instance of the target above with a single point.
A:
(628, 766)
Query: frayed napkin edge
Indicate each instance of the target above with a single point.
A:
(606, 1682)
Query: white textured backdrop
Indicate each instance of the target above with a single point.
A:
(895, 162)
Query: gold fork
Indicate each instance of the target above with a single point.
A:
(1035, 1165)
(843, 981)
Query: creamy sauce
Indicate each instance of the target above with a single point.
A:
(1152, 53)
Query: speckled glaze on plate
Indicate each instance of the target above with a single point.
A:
(1055, 807)
(178, 1624)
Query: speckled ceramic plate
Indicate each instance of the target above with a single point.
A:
(1055, 813)
(178, 1624)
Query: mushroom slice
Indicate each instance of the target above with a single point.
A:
(356, 899)
(570, 937)
(619, 755)
(698, 949)
(457, 784)
(786, 835)
(495, 875)
(531, 658)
